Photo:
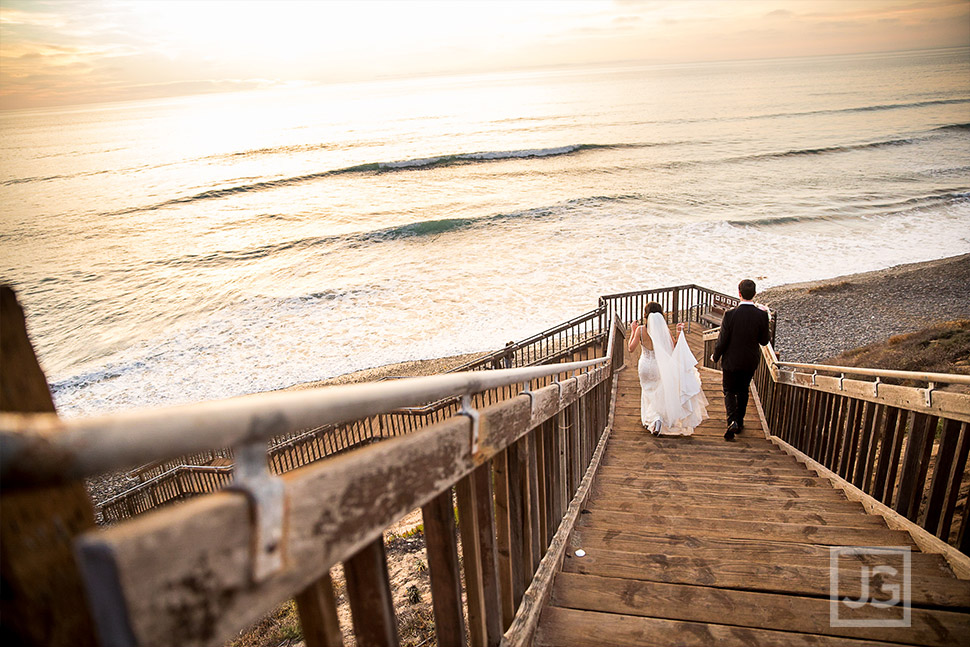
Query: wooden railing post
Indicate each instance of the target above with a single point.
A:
(43, 602)
(317, 607)
(504, 543)
(476, 521)
(369, 593)
(442, 550)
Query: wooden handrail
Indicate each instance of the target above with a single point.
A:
(36, 448)
(904, 447)
(537, 447)
(945, 378)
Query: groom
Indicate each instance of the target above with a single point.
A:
(743, 329)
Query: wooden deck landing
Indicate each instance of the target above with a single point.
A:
(696, 541)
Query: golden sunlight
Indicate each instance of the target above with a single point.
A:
(56, 53)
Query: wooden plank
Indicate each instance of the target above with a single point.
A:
(491, 588)
(317, 607)
(849, 438)
(560, 627)
(442, 550)
(766, 530)
(537, 545)
(658, 486)
(729, 479)
(369, 594)
(905, 423)
(503, 537)
(956, 480)
(659, 545)
(888, 439)
(810, 579)
(520, 553)
(542, 499)
(43, 602)
(856, 518)
(757, 610)
(867, 457)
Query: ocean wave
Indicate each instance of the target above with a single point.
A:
(25, 180)
(872, 108)
(423, 163)
(880, 208)
(411, 230)
(827, 150)
(953, 127)
(281, 150)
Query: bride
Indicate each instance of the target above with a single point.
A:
(672, 401)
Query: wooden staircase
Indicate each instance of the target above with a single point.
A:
(697, 541)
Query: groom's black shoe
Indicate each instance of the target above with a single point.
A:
(732, 429)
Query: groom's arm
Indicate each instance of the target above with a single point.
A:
(723, 336)
(764, 335)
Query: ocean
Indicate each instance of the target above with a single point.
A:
(185, 249)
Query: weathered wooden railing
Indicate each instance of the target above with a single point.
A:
(683, 303)
(904, 448)
(176, 484)
(166, 481)
(162, 482)
(198, 572)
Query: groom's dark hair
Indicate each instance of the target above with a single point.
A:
(746, 289)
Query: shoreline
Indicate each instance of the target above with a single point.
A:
(911, 296)
(817, 320)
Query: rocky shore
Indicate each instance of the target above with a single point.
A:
(820, 319)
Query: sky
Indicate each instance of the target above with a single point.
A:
(62, 52)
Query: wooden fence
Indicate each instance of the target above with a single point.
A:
(184, 575)
(904, 446)
(163, 482)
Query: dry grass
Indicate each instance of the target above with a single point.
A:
(943, 348)
(830, 288)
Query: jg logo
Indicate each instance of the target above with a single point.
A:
(869, 586)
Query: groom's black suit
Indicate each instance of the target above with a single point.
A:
(743, 330)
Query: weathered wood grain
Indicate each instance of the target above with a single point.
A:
(43, 601)
(441, 545)
(789, 613)
(334, 509)
(576, 628)
(369, 594)
(317, 607)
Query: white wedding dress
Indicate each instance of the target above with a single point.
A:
(670, 386)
